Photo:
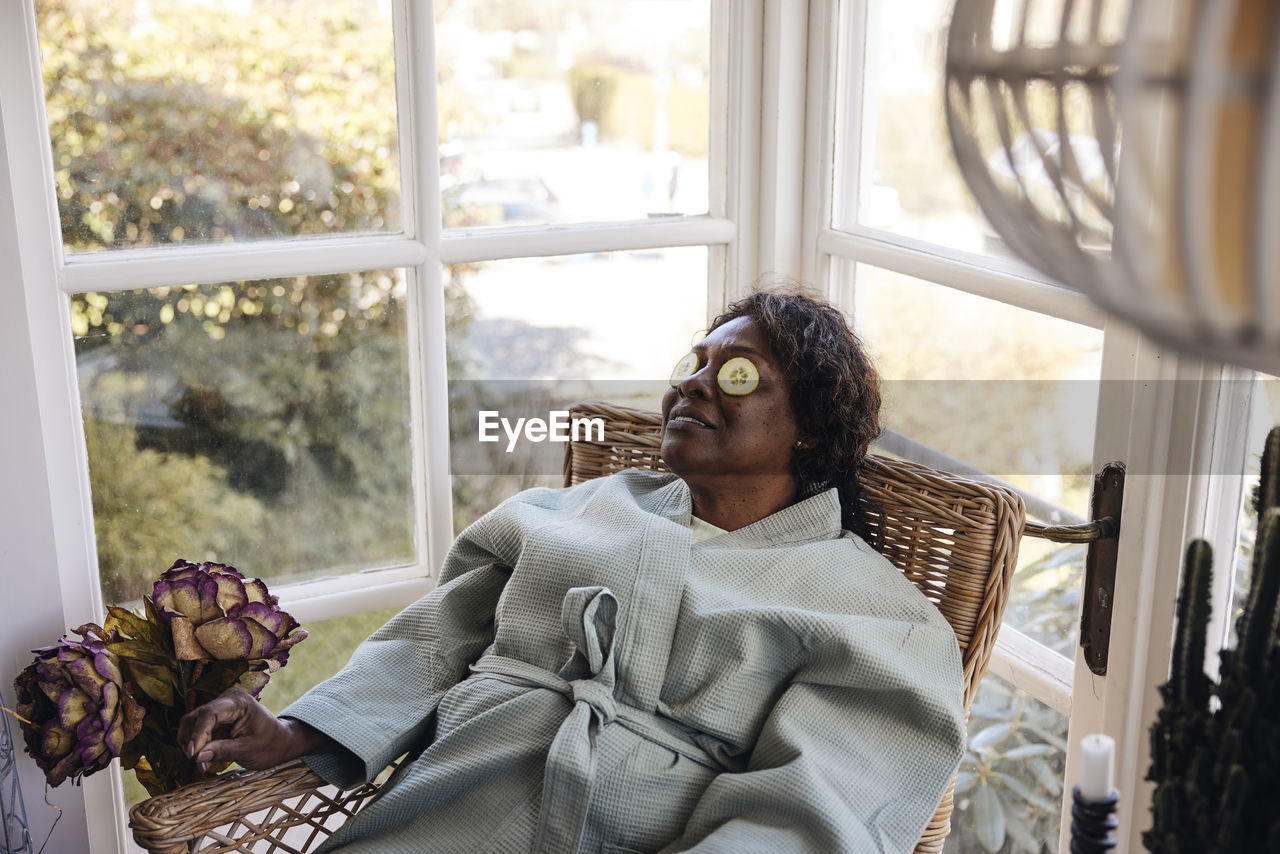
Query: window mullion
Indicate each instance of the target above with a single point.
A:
(1008, 282)
(130, 269)
(352, 594)
(849, 123)
(430, 377)
(782, 144)
(742, 192)
(1157, 414)
(460, 246)
(820, 98)
(1033, 668)
(1225, 495)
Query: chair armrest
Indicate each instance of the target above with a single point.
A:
(247, 811)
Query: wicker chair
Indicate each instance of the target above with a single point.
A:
(956, 539)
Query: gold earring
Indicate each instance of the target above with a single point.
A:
(799, 444)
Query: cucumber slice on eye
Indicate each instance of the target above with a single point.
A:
(738, 376)
(685, 368)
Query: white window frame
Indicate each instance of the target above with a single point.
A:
(55, 509)
(1193, 422)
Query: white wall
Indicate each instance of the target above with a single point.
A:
(31, 609)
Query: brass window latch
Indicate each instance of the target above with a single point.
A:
(1102, 536)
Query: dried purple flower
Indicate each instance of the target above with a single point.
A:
(77, 710)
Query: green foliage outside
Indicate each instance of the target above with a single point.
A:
(177, 124)
(128, 482)
(1009, 787)
(262, 423)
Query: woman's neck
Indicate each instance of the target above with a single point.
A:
(735, 501)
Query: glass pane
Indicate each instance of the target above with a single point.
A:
(262, 424)
(1266, 414)
(904, 125)
(530, 336)
(572, 110)
(1009, 787)
(220, 121)
(1007, 391)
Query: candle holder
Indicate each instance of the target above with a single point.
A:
(1093, 823)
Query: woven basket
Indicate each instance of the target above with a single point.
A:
(956, 539)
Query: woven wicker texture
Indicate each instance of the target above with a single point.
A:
(286, 809)
(956, 539)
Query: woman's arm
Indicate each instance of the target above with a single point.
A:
(382, 703)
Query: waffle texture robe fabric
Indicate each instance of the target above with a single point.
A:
(586, 679)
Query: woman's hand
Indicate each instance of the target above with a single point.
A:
(237, 728)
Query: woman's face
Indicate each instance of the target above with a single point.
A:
(709, 433)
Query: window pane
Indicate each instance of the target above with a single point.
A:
(219, 121)
(904, 125)
(262, 424)
(572, 110)
(1011, 775)
(532, 335)
(1007, 391)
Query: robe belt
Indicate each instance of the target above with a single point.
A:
(587, 616)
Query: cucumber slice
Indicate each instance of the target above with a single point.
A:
(685, 368)
(738, 376)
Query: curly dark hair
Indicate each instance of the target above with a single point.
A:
(835, 390)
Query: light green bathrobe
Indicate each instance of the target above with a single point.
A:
(585, 679)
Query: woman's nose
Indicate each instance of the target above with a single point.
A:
(696, 384)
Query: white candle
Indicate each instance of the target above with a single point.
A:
(1097, 764)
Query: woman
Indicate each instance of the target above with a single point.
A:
(707, 661)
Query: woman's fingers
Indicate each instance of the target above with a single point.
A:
(235, 710)
(245, 751)
(237, 728)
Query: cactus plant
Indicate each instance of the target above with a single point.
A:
(1215, 748)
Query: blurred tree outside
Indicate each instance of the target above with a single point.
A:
(271, 415)
(260, 423)
(172, 123)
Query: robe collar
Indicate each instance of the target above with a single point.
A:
(808, 520)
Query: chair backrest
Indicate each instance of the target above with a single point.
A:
(956, 539)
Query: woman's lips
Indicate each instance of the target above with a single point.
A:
(685, 421)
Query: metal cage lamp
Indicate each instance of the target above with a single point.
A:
(1131, 150)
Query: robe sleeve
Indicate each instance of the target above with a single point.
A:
(854, 756)
(383, 702)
